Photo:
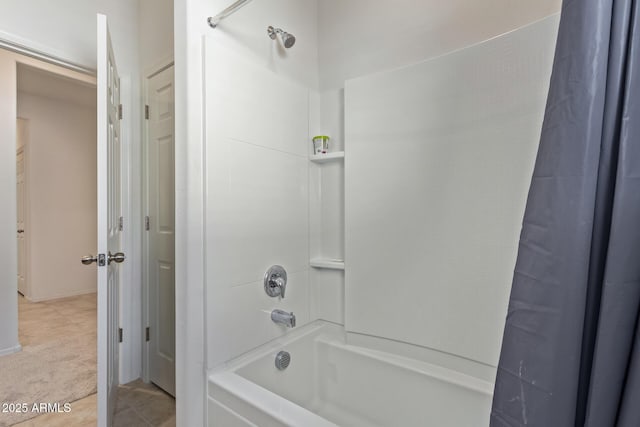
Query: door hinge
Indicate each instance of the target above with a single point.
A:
(120, 334)
(147, 334)
(121, 224)
(147, 223)
(102, 260)
(146, 112)
(120, 111)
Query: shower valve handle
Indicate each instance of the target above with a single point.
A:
(275, 281)
(279, 285)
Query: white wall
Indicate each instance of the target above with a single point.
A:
(62, 195)
(65, 28)
(257, 196)
(257, 143)
(440, 161)
(360, 37)
(155, 31)
(189, 179)
(8, 249)
(244, 33)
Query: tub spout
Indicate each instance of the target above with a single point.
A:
(283, 318)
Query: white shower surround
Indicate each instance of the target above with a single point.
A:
(331, 383)
(386, 366)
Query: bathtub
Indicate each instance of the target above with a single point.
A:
(332, 383)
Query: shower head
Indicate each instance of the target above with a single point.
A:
(288, 40)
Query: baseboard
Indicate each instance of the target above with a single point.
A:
(62, 295)
(11, 350)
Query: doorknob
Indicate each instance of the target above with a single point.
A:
(20, 231)
(118, 257)
(100, 259)
(89, 259)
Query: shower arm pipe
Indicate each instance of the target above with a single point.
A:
(215, 20)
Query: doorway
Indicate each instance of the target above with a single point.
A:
(55, 199)
(56, 138)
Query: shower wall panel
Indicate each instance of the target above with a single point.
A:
(439, 160)
(257, 125)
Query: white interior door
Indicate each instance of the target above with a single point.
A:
(21, 195)
(109, 211)
(161, 230)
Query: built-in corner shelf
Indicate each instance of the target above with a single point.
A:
(323, 158)
(329, 264)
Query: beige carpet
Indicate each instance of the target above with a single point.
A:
(58, 360)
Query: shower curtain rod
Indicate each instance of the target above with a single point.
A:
(215, 20)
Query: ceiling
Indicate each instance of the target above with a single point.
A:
(38, 82)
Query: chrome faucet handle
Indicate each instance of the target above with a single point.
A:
(280, 283)
(275, 281)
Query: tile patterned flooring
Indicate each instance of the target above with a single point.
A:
(144, 405)
(139, 404)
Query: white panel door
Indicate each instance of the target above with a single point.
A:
(161, 233)
(109, 256)
(21, 194)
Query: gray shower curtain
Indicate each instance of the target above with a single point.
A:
(571, 348)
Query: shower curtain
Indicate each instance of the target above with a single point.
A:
(571, 347)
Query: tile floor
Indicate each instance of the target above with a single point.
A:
(139, 404)
(144, 405)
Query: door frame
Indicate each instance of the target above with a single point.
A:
(30, 56)
(33, 55)
(27, 208)
(147, 74)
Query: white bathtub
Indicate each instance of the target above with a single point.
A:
(331, 383)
